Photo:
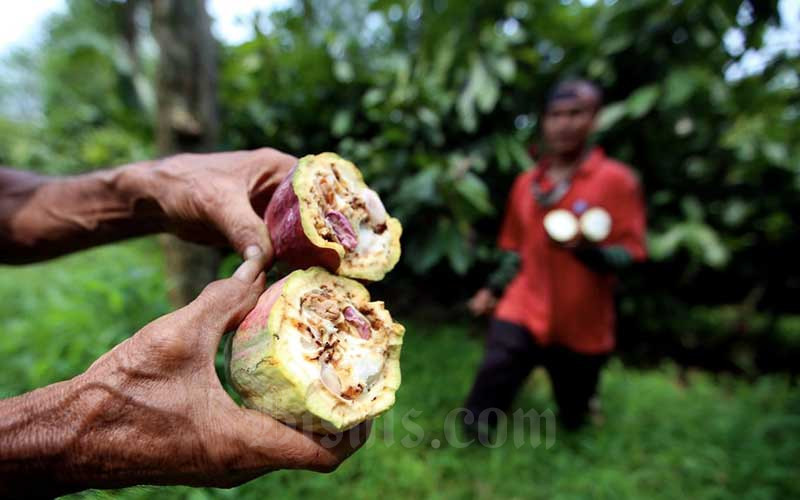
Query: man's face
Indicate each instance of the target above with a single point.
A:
(568, 122)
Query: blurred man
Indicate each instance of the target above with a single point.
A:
(152, 410)
(556, 306)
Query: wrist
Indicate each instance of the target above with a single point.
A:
(138, 186)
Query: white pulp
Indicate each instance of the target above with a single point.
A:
(595, 224)
(561, 225)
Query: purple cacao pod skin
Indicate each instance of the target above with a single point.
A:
(323, 214)
(289, 240)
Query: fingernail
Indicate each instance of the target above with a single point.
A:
(249, 269)
(252, 252)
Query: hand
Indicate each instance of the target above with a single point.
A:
(483, 302)
(217, 198)
(152, 411)
(162, 385)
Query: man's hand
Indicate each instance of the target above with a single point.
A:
(152, 411)
(217, 198)
(483, 302)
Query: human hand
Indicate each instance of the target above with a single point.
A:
(154, 412)
(216, 198)
(483, 302)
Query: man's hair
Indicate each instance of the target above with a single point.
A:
(571, 88)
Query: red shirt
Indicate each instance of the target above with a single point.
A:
(555, 296)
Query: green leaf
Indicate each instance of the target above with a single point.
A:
(642, 101)
(474, 190)
(610, 115)
(616, 43)
(776, 152)
(679, 87)
(459, 257)
(419, 188)
(458, 254)
(487, 91)
(692, 208)
(343, 71)
(482, 92)
(342, 121)
(428, 117)
(711, 248)
(664, 245)
(373, 97)
(505, 67)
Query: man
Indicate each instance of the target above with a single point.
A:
(151, 411)
(557, 306)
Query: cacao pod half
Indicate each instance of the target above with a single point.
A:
(323, 214)
(316, 353)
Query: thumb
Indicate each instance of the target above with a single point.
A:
(243, 228)
(223, 304)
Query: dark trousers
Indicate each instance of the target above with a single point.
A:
(511, 353)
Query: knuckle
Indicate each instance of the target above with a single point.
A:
(267, 151)
(272, 155)
(212, 195)
(216, 296)
(222, 290)
(215, 289)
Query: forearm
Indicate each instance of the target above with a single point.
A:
(507, 269)
(39, 432)
(77, 434)
(44, 217)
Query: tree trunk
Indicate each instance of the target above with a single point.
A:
(187, 121)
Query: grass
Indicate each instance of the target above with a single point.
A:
(666, 434)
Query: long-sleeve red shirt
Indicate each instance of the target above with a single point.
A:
(555, 296)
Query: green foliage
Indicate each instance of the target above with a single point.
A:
(407, 110)
(58, 317)
(89, 103)
(438, 103)
(667, 433)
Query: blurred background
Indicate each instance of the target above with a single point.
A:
(439, 103)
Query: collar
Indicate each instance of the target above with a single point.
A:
(591, 162)
(548, 193)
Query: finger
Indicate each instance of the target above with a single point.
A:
(242, 227)
(250, 268)
(277, 445)
(223, 305)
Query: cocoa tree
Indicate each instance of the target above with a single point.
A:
(186, 82)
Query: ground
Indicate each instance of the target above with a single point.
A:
(667, 432)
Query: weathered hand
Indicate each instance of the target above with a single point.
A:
(161, 408)
(483, 302)
(152, 411)
(217, 198)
